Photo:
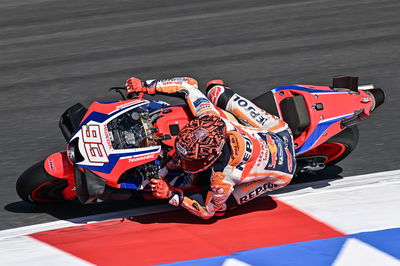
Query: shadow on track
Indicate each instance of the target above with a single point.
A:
(75, 209)
(184, 217)
(308, 180)
(260, 204)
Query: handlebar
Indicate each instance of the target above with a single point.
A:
(129, 95)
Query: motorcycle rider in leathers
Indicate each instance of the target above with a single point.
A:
(247, 159)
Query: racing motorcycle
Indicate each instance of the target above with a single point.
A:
(119, 146)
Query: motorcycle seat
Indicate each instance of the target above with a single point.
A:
(293, 109)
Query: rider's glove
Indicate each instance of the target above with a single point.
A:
(135, 85)
(163, 190)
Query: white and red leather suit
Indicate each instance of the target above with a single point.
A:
(258, 156)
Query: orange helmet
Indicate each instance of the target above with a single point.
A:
(199, 144)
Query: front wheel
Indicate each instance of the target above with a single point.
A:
(336, 148)
(35, 185)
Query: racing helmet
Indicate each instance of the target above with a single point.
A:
(199, 143)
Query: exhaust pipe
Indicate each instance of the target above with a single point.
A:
(379, 97)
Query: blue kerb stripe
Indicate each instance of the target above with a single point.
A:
(314, 252)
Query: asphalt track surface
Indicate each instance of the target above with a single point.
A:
(55, 53)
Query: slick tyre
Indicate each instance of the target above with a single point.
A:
(35, 185)
(338, 147)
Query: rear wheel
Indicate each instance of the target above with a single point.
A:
(35, 185)
(336, 148)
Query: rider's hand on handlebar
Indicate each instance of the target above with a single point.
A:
(163, 190)
(160, 188)
(135, 85)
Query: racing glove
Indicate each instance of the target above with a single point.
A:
(163, 190)
(135, 85)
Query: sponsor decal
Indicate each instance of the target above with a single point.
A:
(202, 104)
(257, 192)
(255, 113)
(167, 83)
(107, 134)
(365, 100)
(214, 94)
(51, 165)
(273, 149)
(247, 153)
(122, 106)
(174, 201)
(289, 159)
(201, 101)
(180, 148)
(264, 153)
(140, 158)
(203, 107)
(276, 150)
(178, 81)
(288, 154)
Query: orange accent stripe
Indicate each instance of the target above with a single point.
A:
(284, 178)
(169, 88)
(241, 115)
(191, 81)
(250, 186)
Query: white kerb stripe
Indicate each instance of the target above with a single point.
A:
(24, 250)
(352, 204)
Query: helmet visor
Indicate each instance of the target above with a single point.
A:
(195, 166)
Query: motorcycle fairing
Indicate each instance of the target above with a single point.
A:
(327, 108)
(95, 144)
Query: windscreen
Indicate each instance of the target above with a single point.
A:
(130, 129)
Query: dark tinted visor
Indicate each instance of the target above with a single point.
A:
(195, 166)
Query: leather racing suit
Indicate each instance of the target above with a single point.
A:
(257, 158)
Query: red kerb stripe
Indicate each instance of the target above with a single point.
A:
(178, 235)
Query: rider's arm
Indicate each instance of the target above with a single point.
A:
(221, 189)
(247, 112)
(186, 88)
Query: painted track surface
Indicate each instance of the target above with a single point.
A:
(301, 225)
(56, 53)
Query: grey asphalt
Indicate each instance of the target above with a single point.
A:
(54, 53)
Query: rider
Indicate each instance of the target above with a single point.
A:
(247, 159)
